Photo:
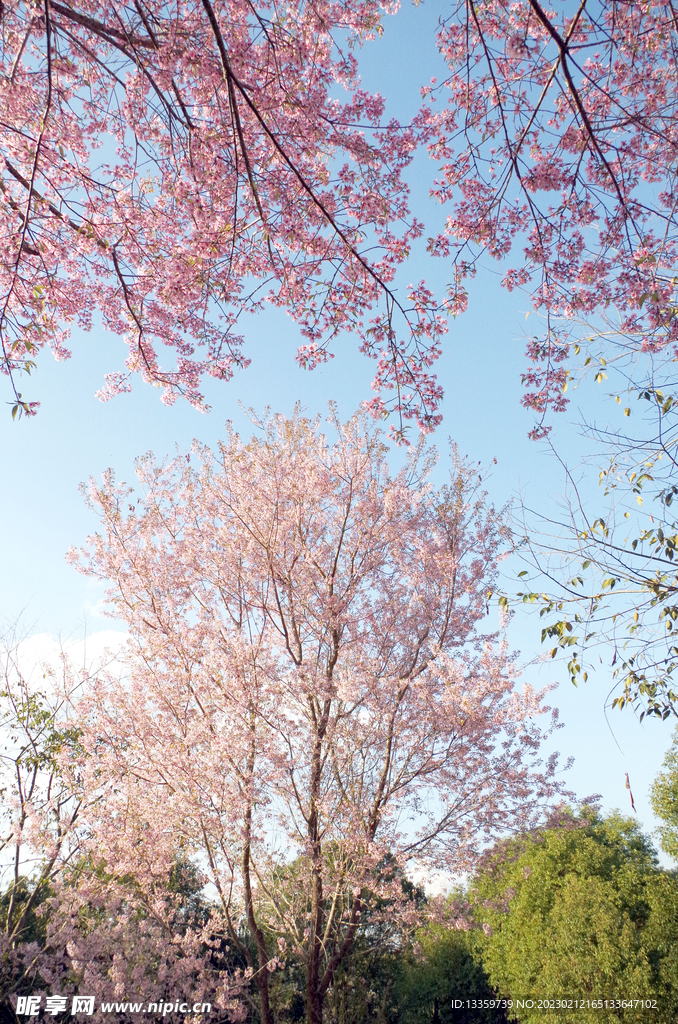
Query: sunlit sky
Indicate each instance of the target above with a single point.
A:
(75, 436)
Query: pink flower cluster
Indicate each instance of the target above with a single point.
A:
(559, 126)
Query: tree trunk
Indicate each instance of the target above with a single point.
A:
(255, 931)
(314, 993)
(314, 1006)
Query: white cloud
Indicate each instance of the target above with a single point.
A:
(84, 653)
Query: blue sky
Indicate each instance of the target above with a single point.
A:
(74, 436)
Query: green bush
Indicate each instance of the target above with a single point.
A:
(581, 911)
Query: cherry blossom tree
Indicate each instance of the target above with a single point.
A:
(307, 696)
(170, 165)
(66, 927)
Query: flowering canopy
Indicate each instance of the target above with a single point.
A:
(560, 135)
(174, 163)
(170, 165)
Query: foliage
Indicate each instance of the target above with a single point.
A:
(38, 810)
(582, 912)
(19, 902)
(305, 682)
(553, 141)
(607, 582)
(445, 970)
(664, 798)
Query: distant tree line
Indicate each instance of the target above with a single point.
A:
(578, 911)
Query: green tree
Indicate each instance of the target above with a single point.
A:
(581, 911)
(664, 799)
(446, 971)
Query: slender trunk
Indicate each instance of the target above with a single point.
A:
(314, 998)
(261, 975)
(314, 992)
(314, 1005)
(318, 983)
